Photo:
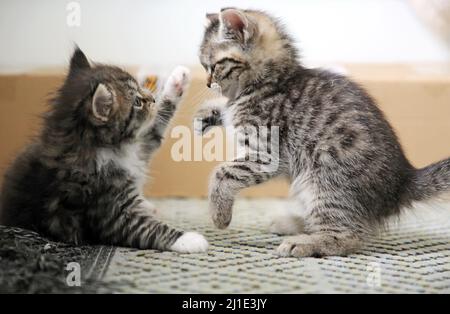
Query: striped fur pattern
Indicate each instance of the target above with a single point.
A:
(347, 170)
(81, 180)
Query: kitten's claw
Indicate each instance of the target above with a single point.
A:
(190, 242)
(177, 83)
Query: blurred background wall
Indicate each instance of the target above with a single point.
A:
(142, 32)
(398, 49)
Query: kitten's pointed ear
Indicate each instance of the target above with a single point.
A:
(102, 103)
(235, 25)
(210, 18)
(78, 61)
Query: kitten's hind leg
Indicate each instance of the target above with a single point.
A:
(287, 224)
(328, 231)
(332, 222)
(320, 244)
(288, 220)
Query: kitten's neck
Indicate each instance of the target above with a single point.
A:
(61, 149)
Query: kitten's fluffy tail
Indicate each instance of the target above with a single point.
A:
(431, 184)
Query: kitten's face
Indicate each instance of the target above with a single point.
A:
(110, 100)
(237, 48)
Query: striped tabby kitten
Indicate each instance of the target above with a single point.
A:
(347, 169)
(81, 181)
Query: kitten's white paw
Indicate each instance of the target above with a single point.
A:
(177, 82)
(287, 225)
(190, 242)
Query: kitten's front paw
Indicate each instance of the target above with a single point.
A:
(206, 118)
(177, 83)
(221, 214)
(190, 242)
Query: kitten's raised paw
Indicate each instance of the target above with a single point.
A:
(177, 83)
(190, 242)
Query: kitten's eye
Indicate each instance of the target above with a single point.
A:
(138, 104)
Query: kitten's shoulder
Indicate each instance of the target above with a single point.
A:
(336, 78)
(329, 73)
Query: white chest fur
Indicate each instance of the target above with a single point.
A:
(227, 117)
(304, 192)
(128, 158)
(227, 122)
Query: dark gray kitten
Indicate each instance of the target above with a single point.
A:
(81, 180)
(347, 169)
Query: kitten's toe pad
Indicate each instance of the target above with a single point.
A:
(190, 242)
(286, 225)
(177, 82)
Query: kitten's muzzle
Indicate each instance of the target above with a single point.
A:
(147, 96)
(149, 99)
(150, 105)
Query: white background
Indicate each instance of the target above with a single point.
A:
(163, 33)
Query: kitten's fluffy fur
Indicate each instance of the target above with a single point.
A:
(81, 180)
(347, 169)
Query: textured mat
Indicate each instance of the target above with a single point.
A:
(30, 263)
(413, 257)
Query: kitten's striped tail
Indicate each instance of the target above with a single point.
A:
(431, 184)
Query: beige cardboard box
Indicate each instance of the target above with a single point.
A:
(415, 99)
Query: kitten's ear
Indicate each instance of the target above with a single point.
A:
(102, 103)
(78, 61)
(210, 18)
(235, 25)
